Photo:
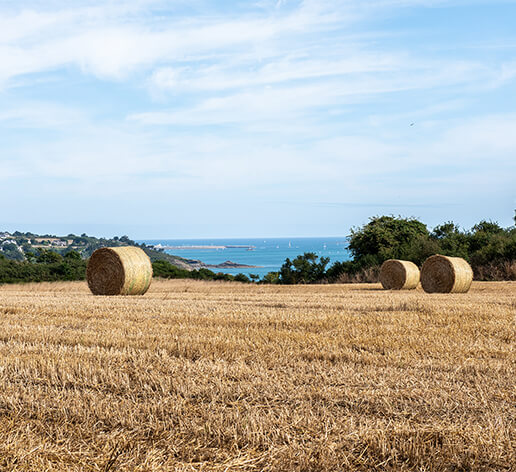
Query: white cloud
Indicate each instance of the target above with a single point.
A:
(110, 42)
(288, 100)
(486, 140)
(41, 115)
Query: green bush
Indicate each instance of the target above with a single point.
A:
(167, 270)
(271, 278)
(490, 249)
(387, 237)
(50, 269)
(242, 278)
(303, 269)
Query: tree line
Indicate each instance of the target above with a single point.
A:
(489, 248)
(46, 266)
(49, 266)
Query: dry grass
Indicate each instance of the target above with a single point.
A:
(223, 377)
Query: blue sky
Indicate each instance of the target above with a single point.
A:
(260, 118)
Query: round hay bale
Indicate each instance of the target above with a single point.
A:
(443, 274)
(398, 275)
(123, 270)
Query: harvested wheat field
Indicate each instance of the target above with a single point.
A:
(229, 377)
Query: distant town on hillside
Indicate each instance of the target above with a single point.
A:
(20, 246)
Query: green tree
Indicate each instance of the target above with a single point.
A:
(451, 240)
(169, 271)
(48, 257)
(12, 251)
(340, 267)
(271, 278)
(303, 269)
(489, 227)
(30, 256)
(73, 256)
(241, 278)
(386, 237)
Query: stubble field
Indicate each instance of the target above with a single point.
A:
(222, 377)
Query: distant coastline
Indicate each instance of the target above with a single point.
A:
(209, 246)
(223, 265)
(25, 246)
(250, 256)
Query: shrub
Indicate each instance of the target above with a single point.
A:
(303, 269)
(386, 237)
(242, 278)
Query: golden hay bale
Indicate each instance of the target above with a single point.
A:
(442, 274)
(398, 275)
(119, 271)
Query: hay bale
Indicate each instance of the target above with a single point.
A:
(398, 275)
(119, 271)
(442, 274)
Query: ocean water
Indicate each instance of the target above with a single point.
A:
(269, 254)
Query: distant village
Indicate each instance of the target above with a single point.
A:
(16, 245)
(8, 238)
(24, 246)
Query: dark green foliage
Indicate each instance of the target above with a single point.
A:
(451, 241)
(30, 256)
(48, 268)
(492, 247)
(303, 269)
(488, 227)
(12, 251)
(338, 268)
(221, 276)
(166, 270)
(48, 257)
(271, 278)
(202, 274)
(486, 244)
(489, 248)
(81, 247)
(72, 256)
(242, 278)
(386, 237)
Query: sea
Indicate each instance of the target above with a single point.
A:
(266, 253)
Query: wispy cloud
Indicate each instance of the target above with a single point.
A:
(306, 101)
(111, 42)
